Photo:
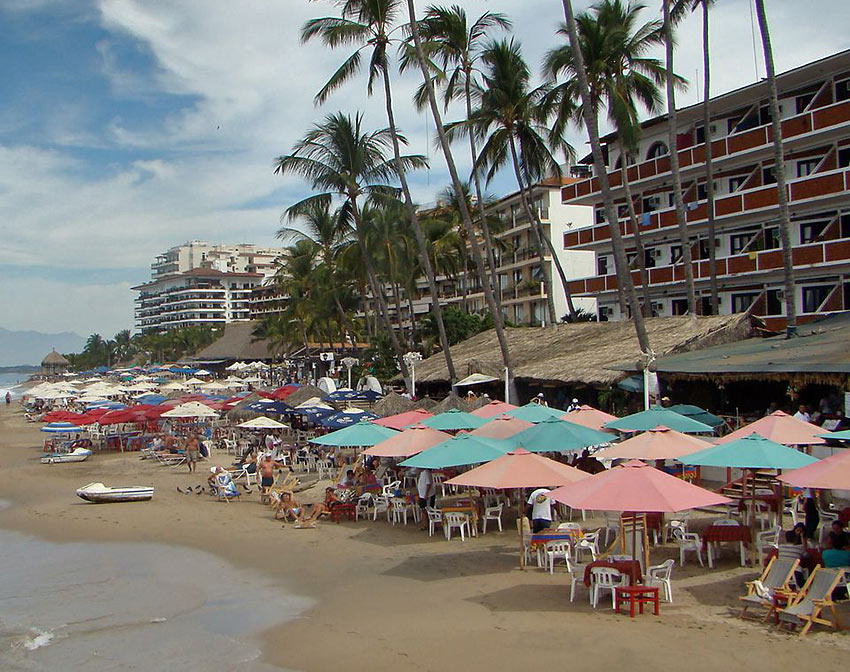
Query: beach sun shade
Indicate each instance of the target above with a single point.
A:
(454, 420)
(458, 451)
(837, 436)
(502, 427)
(406, 419)
(476, 379)
(535, 413)
(559, 436)
(587, 416)
(409, 442)
(346, 418)
(635, 486)
(640, 422)
(191, 409)
(831, 473)
(363, 433)
(493, 409)
(698, 414)
(519, 469)
(751, 452)
(268, 406)
(261, 423)
(780, 427)
(60, 428)
(660, 443)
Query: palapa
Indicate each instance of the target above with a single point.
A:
(451, 402)
(393, 404)
(304, 393)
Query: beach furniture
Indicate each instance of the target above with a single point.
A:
(688, 541)
(492, 513)
(399, 510)
(723, 531)
(456, 520)
(806, 607)
(636, 596)
(554, 550)
(588, 542)
(602, 579)
(660, 576)
(767, 539)
(435, 517)
(775, 577)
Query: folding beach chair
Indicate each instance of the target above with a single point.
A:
(805, 607)
(776, 576)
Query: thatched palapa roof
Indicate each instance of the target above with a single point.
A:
(304, 393)
(238, 343)
(238, 412)
(449, 403)
(581, 353)
(55, 358)
(393, 404)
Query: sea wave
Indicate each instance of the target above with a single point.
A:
(40, 638)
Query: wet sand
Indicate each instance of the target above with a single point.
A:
(391, 597)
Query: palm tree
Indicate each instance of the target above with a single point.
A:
(498, 322)
(339, 157)
(508, 117)
(624, 277)
(672, 128)
(369, 23)
(779, 173)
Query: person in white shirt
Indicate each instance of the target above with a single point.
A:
(541, 509)
(803, 413)
(427, 493)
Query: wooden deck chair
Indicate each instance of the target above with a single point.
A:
(775, 577)
(806, 607)
(286, 482)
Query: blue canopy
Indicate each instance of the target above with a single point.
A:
(269, 406)
(347, 418)
(153, 399)
(751, 452)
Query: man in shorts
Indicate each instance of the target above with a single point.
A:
(266, 469)
(193, 452)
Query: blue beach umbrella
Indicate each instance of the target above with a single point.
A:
(751, 452)
(347, 418)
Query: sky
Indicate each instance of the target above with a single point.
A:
(130, 126)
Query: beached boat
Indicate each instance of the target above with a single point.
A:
(76, 455)
(99, 493)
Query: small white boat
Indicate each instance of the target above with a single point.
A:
(76, 455)
(99, 493)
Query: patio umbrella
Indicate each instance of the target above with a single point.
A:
(458, 451)
(659, 443)
(780, 427)
(409, 442)
(502, 427)
(343, 395)
(493, 409)
(261, 423)
(363, 433)
(587, 416)
(843, 435)
(346, 418)
(559, 436)
(652, 417)
(191, 409)
(698, 414)
(830, 473)
(268, 406)
(60, 428)
(405, 419)
(519, 469)
(453, 420)
(535, 413)
(751, 452)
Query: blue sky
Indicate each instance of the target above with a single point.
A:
(129, 126)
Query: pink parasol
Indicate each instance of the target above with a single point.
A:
(831, 473)
(501, 427)
(660, 443)
(493, 409)
(781, 428)
(588, 416)
(635, 486)
(411, 441)
(519, 469)
(406, 419)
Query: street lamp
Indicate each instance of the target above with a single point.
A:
(349, 363)
(410, 359)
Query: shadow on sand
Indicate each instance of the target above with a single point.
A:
(428, 567)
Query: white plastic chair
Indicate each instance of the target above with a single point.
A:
(576, 573)
(399, 510)
(555, 550)
(767, 539)
(605, 578)
(589, 542)
(389, 489)
(680, 520)
(688, 541)
(492, 513)
(659, 576)
(435, 517)
(455, 519)
(612, 525)
(365, 506)
(381, 505)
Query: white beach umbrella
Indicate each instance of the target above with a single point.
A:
(175, 386)
(214, 385)
(191, 409)
(262, 422)
(195, 381)
(314, 402)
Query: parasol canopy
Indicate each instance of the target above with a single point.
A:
(502, 427)
(458, 451)
(405, 419)
(346, 418)
(363, 433)
(519, 469)
(261, 423)
(454, 420)
(657, 415)
(191, 409)
(659, 443)
(751, 452)
(843, 435)
(493, 409)
(535, 413)
(830, 473)
(698, 414)
(780, 427)
(409, 442)
(559, 436)
(587, 416)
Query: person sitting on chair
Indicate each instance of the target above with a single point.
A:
(319, 509)
(222, 483)
(347, 481)
(836, 553)
(287, 508)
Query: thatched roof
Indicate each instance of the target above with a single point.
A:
(426, 403)
(393, 404)
(304, 393)
(478, 402)
(237, 342)
(238, 412)
(450, 402)
(581, 353)
(55, 358)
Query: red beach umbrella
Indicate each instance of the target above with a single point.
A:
(660, 443)
(502, 427)
(406, 419)
(493, 409)
(781, 428)
(588, 416)
(519, 469)
(411, 441)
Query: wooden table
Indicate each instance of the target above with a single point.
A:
(636, 595)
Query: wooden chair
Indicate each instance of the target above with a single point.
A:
(806, 607)
(776, 576)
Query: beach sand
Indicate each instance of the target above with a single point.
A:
(391, 597)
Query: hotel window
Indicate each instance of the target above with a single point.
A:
(842, 90)
(679, 307)
(809, 231)
(738, 241)
(807, 166)
(741, 302)
(813, 297)
(767, 176)
(844, 157)
(736, 183)
(771, 238)
(602, 265)
(675, 253)
(773, 303)
(845, 227)
(801, 102)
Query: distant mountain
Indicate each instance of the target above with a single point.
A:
(30, 347)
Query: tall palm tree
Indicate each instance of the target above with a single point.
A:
(370, 24)
(624, 277)
(672, 129)
(508, 117)
(779, 173)
(498, 322)
(340, 158)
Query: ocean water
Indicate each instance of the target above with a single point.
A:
(132, 606)
(10, 381)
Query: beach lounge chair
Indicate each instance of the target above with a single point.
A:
(805, 608)
(776, 576)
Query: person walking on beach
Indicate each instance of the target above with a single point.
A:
(8, 397)
(427, 492)
(267, 473)
(193, 452)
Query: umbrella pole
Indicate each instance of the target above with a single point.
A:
(521, 529)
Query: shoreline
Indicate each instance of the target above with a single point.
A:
(386, 596)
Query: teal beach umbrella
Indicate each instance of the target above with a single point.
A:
(751, 452)
(364, 433)
(453, 420)
(655, 416)
(458, 451)
(558, 436)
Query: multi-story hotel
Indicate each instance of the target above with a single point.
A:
(242, 258)
(815, 110)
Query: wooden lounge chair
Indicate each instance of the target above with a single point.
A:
(805, 608)
(775, 577)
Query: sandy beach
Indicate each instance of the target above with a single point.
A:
(388, 597)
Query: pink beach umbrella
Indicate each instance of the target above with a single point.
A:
(411, 441)
(830, 473)
(519, 469)
(406, 419)
(588, 416)
(660, 443)
(493, 409)
(781, 428)
(501, 427)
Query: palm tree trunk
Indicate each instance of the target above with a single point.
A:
(412, 319)
(464, 283)
(779, 173)
(681, 217)
(397, 300)
(624, 276)
(709, 168)
(641, 255)
(535, 229)
(498, 323)
(436, 310)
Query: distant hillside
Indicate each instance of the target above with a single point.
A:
(29, 347)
